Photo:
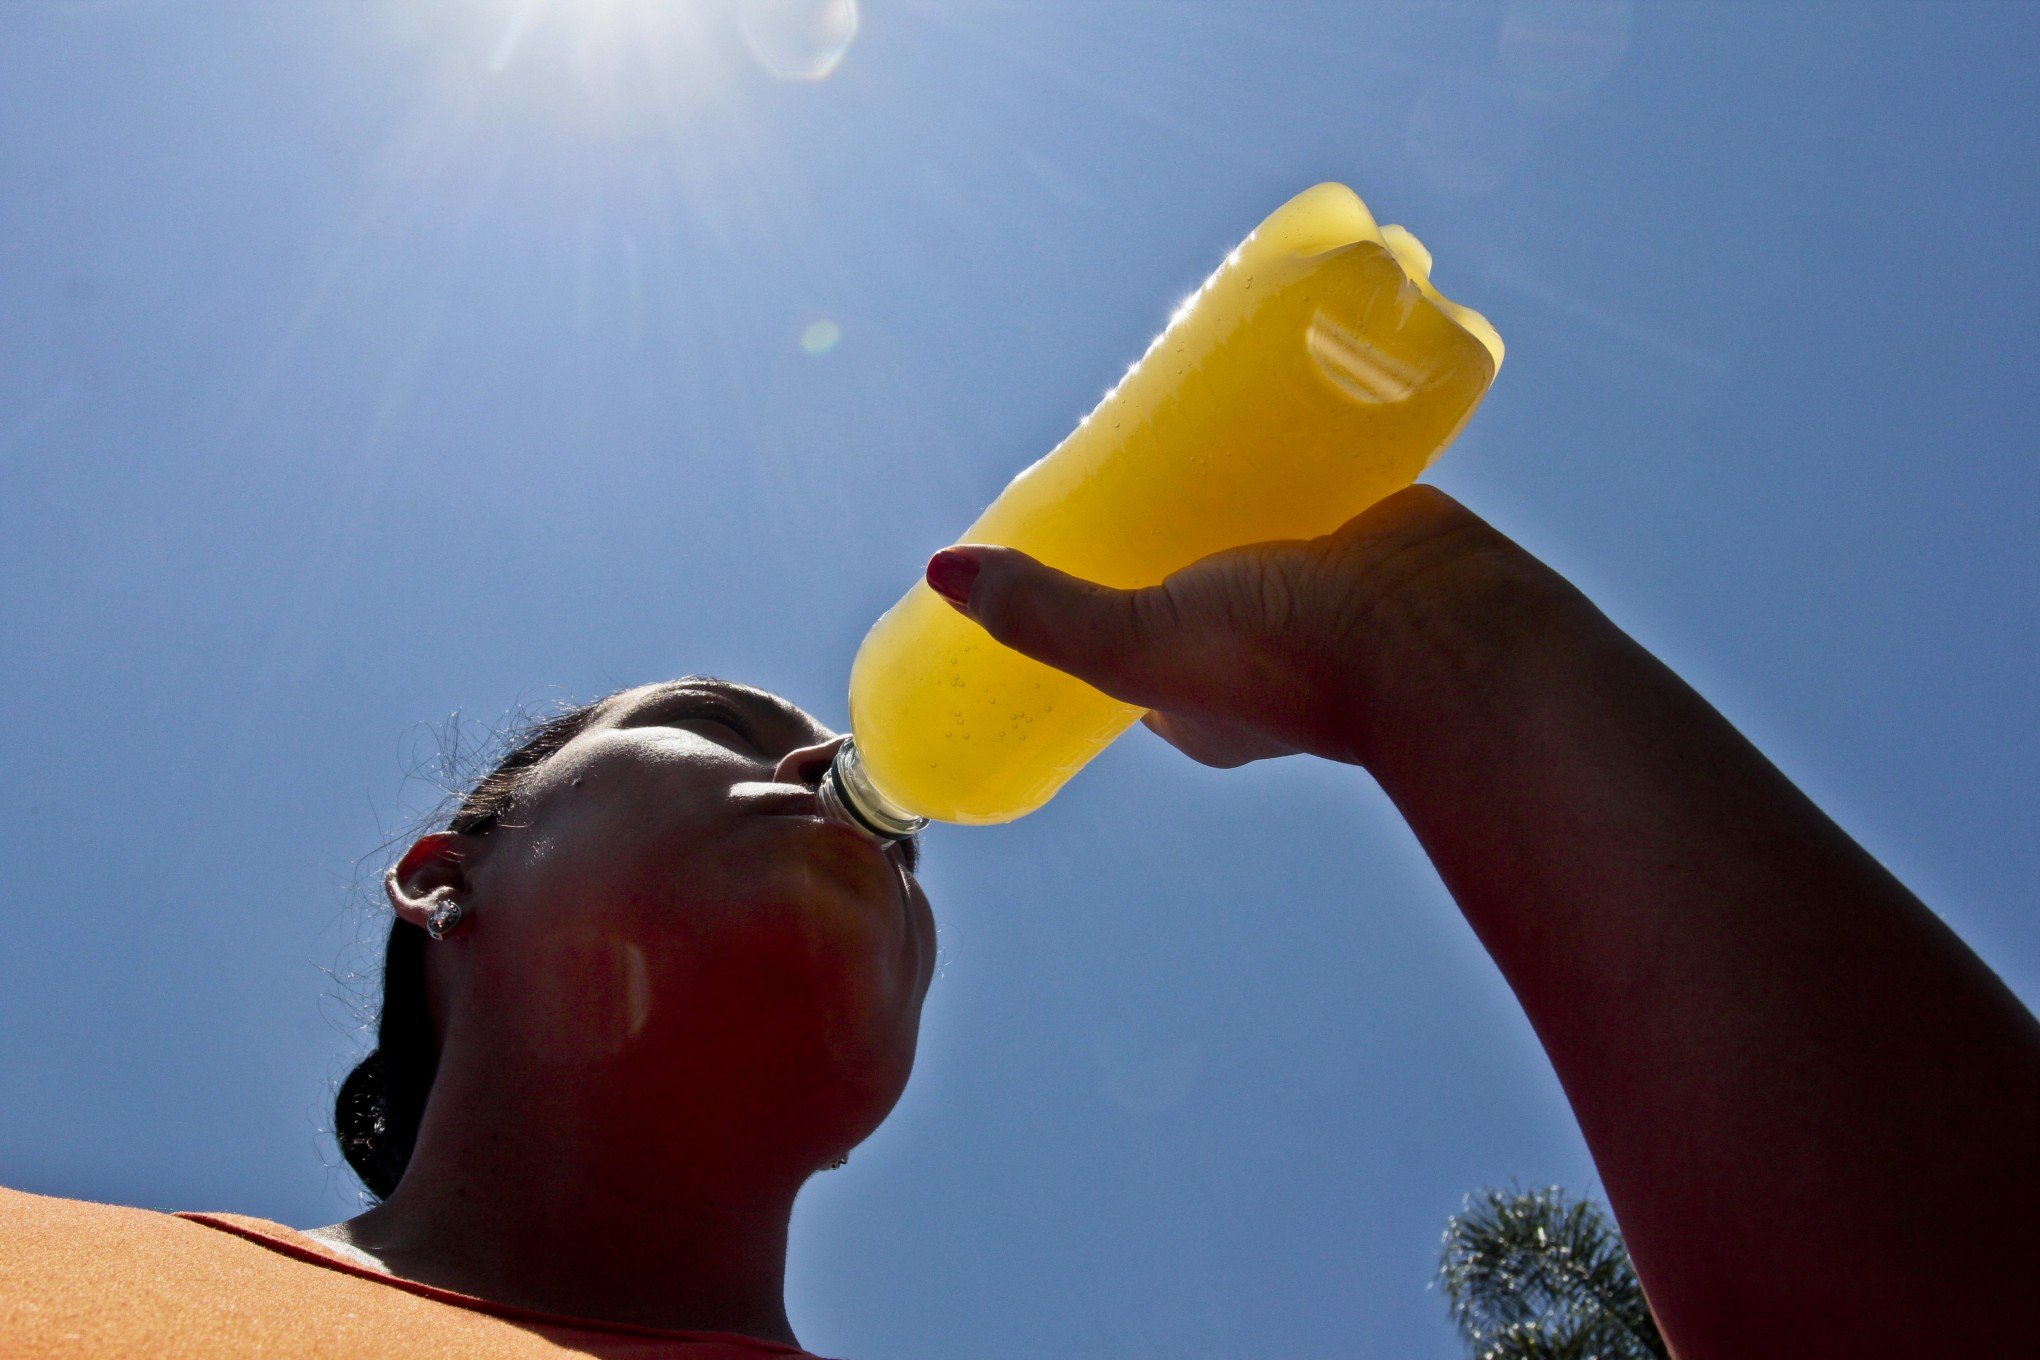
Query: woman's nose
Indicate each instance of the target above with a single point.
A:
(807, 764)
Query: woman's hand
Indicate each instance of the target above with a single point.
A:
(1814, 1110)
(1260, 651)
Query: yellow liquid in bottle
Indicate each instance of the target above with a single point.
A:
(1314, 373)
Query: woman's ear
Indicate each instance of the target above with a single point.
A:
(434, 869)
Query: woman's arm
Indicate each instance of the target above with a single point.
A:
(1816, 1112)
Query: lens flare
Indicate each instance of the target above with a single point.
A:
(800, 39)
(1558, 51)
(820, 336)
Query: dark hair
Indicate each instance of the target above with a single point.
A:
(379, 1107)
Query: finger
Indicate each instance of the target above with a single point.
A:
(1124, 642)
(1223, 747)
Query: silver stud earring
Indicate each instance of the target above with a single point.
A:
(445, 918)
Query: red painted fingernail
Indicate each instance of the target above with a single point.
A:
(950, 573)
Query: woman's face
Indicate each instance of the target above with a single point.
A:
(665, 902)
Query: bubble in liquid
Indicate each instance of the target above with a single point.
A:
(800, 39)
(820, 336)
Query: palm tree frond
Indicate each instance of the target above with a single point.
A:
(1532, 1275)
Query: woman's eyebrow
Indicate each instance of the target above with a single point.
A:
(772, 711)
(763, 704)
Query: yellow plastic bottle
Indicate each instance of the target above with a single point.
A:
(1315, 372)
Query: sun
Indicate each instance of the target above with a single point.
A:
(803, 40)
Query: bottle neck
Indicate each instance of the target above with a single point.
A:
(848, 795)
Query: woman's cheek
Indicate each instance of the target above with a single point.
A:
(594, 996)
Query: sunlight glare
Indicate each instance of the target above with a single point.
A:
(621, 56)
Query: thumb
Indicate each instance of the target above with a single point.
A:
(1120, 641)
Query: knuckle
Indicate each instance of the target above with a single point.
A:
(1154, 617)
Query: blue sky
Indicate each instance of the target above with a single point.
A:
(365, 363)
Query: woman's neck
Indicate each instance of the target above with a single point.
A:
(576, 1202)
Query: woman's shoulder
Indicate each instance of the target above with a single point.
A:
(79, 1278)
(49, 1228)
(75, 1250)
(76, 1276)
